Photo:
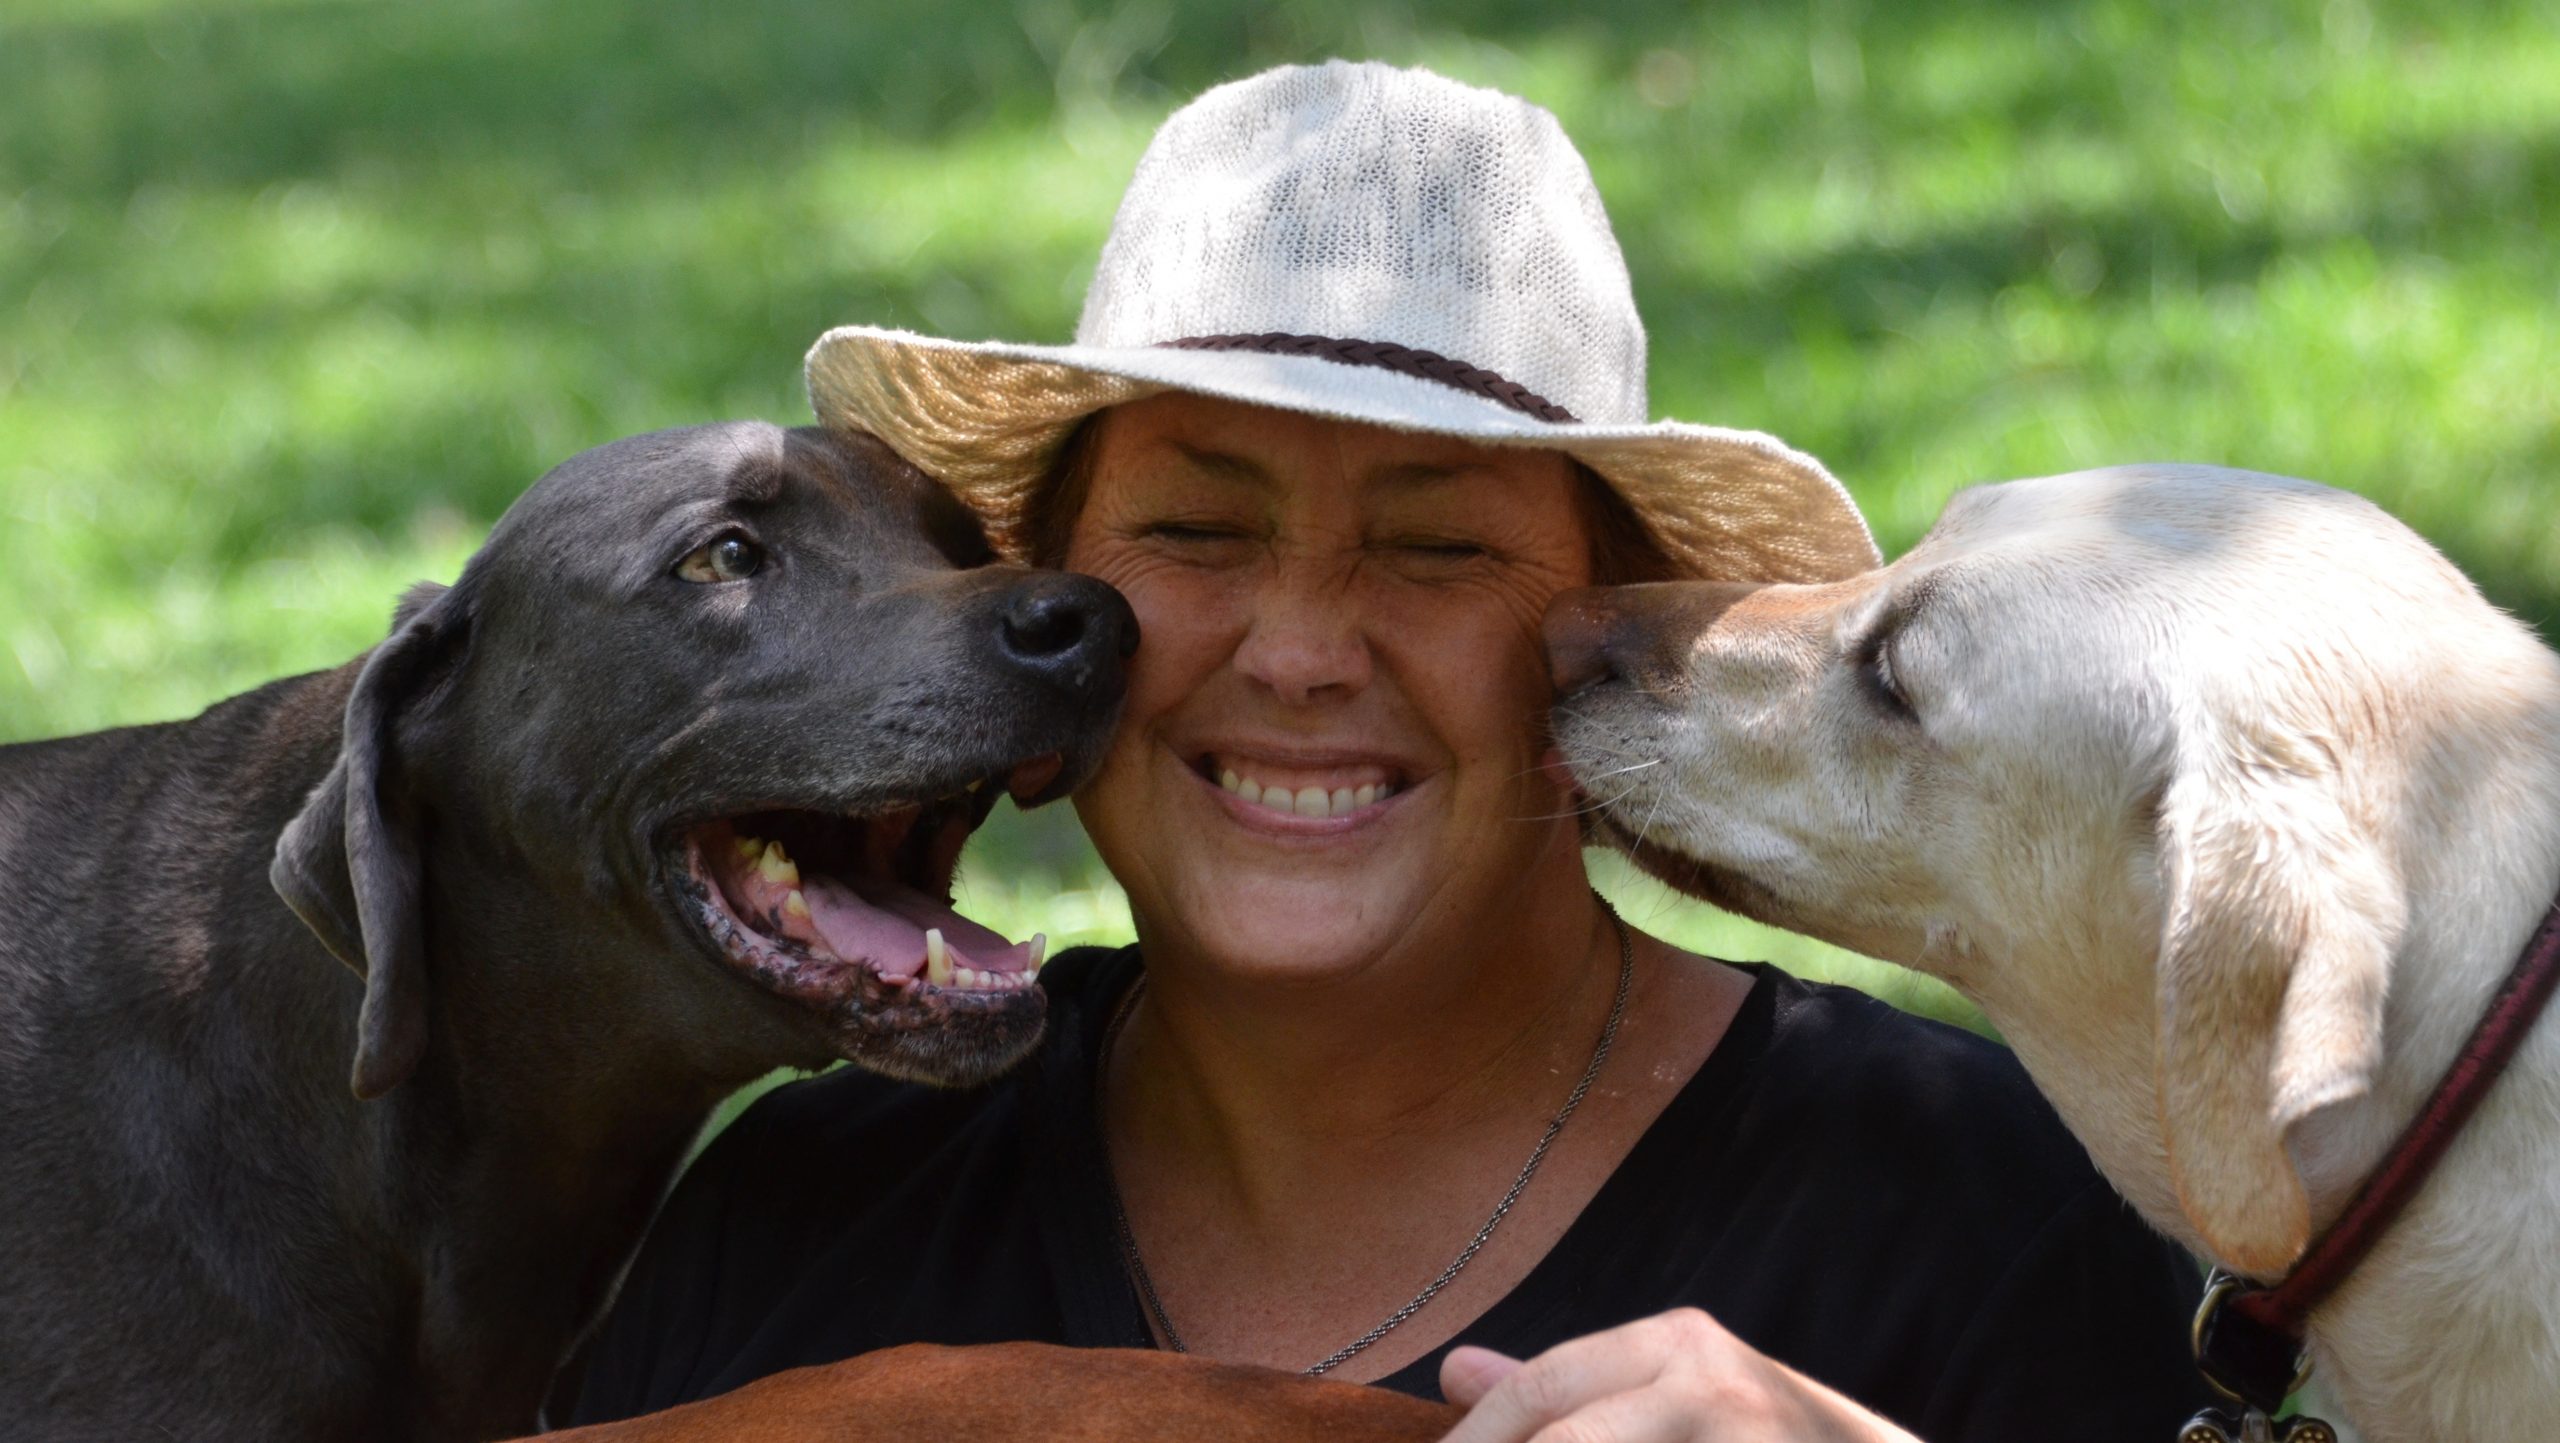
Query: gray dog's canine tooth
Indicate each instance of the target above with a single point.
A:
(482, 830)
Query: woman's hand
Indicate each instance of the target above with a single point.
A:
(1677, 1377)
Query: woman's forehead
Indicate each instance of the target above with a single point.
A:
(1260, 448)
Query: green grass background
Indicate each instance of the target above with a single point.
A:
(295, 297)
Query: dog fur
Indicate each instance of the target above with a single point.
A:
(203, 1235)
(2226, 797)
(1036, 1393)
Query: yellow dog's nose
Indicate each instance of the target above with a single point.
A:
(1645, 634)
(1577, 635)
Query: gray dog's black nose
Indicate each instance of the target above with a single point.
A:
(1069, 628)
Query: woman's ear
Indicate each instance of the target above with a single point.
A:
(348, 863)
(2281, 918)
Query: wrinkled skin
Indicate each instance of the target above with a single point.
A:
(460, 862)
(1354, 611)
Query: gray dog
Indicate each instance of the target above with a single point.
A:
(664, 792)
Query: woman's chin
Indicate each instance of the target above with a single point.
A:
(1314, 966)
(1292, 940)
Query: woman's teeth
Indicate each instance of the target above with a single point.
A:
(1316, 801)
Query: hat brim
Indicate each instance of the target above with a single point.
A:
(987, 419)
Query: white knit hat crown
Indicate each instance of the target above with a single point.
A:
(1377, 246)
(1370, 203)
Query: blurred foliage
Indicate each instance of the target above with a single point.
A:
(300, 295)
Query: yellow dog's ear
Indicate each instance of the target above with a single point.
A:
(2281, 918)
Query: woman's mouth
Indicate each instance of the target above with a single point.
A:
(1310, 792)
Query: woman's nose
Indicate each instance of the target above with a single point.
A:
(1306, 640)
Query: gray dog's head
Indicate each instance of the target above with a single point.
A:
(728, 695)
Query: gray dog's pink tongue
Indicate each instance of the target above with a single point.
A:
(878, 922)
(883, 923)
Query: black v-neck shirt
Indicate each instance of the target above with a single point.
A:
(1880, 1201)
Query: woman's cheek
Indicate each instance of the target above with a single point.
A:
(1480, 684)
(1487, 645)
(1187, 620)
(1166, 593)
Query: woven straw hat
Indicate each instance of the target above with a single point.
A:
(1375, 245)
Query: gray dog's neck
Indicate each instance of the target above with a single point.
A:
(567, 1127)
(558, 1092)
(434, 1251)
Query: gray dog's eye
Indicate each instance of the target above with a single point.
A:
(730, 558)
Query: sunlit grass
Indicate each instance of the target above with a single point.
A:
(300, 293)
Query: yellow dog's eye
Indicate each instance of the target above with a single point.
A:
(1883, 678)
(729, 558)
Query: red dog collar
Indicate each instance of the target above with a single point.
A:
(2248, 1337)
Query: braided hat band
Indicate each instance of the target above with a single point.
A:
(1387, 355)
(1373, 245)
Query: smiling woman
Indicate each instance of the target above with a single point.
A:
(1334, 607)
(1384, 1090)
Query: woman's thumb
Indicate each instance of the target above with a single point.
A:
(1468, 1373)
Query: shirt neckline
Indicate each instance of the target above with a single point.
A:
(1100, 1301)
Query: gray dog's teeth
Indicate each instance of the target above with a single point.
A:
(776, 866)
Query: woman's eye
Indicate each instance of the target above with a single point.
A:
(1193, 533)
(1443, 550)
(1435, 551)
(728, 558)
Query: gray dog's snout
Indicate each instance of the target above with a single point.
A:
(1069, 629)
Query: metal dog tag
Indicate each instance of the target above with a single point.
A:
(2248, 1425)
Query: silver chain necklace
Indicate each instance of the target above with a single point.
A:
(1137, 1266)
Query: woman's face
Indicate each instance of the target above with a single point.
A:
(1343, 619)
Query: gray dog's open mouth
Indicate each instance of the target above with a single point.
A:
(852, 917)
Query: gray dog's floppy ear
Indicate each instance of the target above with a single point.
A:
(348, 864)
(2281, 917)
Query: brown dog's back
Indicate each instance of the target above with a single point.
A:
(1009, 1391)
